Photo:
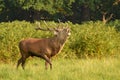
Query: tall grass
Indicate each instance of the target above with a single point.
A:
(64, 69)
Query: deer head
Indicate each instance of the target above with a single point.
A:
(61, 33)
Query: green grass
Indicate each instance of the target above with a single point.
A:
(64, 69)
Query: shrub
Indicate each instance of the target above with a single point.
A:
(95, 39)
(91, 39)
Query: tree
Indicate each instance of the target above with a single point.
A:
(74, 10)
(82, 9)
(58, 8)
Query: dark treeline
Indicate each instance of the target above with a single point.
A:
(64, 10)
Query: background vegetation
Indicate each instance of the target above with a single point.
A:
(65, 10)
(88, 40)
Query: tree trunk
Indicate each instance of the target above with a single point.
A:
(85, 13)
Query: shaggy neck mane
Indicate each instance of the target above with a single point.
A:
(59, 40)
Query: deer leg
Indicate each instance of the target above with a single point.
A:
(19, 62)
(23, 63)
(24, 60)
(47, 61)
(46, 65)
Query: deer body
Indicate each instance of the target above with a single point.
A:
(48, 46)
(44, 48)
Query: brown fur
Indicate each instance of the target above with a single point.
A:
(44, 48)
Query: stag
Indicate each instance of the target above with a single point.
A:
(44, 48)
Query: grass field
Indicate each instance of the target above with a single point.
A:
(64, 69)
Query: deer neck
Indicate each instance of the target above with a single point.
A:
(58, 44)
(59, 40)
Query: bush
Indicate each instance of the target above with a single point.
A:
(91, 39)
(95, 40)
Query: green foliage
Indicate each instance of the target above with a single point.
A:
(10, 34)
(93, 4)
(91, 39)
(75, 10)
(95, 39)
(1, 5)
(52, 6)
(116, 24)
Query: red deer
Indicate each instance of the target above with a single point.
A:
(44, 48)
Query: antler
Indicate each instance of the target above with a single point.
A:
(48, 29)
(39, 28)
